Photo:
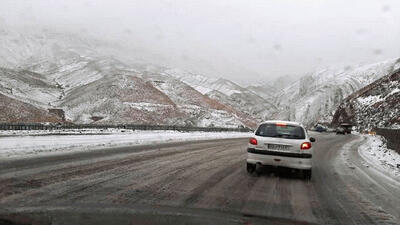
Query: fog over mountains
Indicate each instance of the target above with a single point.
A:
(42, 70)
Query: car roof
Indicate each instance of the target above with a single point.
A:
(283, 121)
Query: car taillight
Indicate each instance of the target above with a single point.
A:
(305, 146)
(253, 141)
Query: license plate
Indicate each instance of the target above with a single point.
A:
(278, 147)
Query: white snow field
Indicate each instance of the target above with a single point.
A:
(375, 152)
(23, 144)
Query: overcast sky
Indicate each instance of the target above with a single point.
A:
(242, 40)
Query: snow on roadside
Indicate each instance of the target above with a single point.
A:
(28, 146)
(375, 152)
(4, 133)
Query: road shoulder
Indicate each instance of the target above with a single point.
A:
(376, 192)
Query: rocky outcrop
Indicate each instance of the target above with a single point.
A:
(375, 105)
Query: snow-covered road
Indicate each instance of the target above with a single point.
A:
(207, 175)
(27, 144)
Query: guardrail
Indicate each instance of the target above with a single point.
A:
(392, 136)
(40, 126)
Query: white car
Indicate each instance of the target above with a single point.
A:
(281, 144)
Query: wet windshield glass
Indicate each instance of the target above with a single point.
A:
(287, 131)
(220, 110)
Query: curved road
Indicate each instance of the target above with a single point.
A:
(211, 176)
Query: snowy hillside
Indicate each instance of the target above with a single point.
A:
(247, 100)
(265, 91)
(315, 97)
(204, 84)
(51, 70)
(199, 107)
(12, 110)
(28, 86)
(376, 105)
(312, 98)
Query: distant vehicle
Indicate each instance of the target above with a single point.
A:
(340, 130)
(347, 127)
(280, 144)
(320, 128)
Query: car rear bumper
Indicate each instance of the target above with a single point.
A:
(284, 159)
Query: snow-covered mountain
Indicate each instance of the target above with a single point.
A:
(314, 98)
(253, 101)
(375, 105)
(311, 99)
(265, 91)
(51, 70)
(204, 84)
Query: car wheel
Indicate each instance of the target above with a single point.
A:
(307, 174)
(251, 167)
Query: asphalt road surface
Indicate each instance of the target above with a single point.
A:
(205, 177)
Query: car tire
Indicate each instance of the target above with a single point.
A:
(267, 169)
(250, 168)
(307, 174)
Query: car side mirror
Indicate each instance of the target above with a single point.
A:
(312, 139)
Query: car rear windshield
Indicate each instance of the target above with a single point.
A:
(280, 131)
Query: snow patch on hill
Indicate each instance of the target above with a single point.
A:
(370, 100)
